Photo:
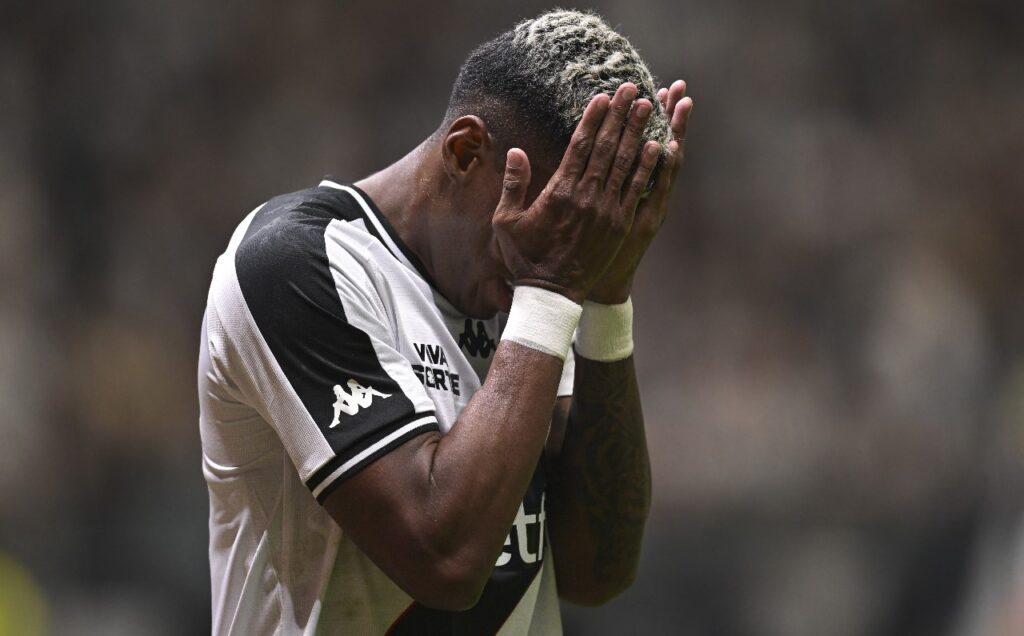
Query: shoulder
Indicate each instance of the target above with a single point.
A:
(304, 248)
(288, 230)
(316, 261)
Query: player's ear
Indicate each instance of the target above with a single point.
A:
(465, 147)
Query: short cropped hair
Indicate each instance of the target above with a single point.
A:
(532, 83)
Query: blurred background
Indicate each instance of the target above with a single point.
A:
(830, 327)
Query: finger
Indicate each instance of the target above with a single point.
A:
(625, 157)
(607, 140)
(674, 160)
(666, 177)
(675, 93)
(663, 98)
(642, 174)
(516, 181)
(574, 161)
(681, 117)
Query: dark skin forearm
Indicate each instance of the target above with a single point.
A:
(600, 490)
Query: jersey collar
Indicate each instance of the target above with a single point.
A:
(378, 225)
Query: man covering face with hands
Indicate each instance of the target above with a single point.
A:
(419, 412)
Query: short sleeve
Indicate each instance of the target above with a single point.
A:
(315, 352)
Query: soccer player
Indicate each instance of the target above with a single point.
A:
(419, 413)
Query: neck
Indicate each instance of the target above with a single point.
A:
(405, 192)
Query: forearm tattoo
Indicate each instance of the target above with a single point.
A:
(605, 463)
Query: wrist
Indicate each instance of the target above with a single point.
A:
(542, 319)
(612, 293)
(605, 332)
(574, 295)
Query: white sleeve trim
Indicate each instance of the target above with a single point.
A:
(373, 448)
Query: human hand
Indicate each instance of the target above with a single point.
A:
(617, 282)
(565, 240)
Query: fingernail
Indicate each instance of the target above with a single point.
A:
(514, 159)
(643, 109)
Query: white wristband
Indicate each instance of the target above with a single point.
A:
(606, 331)
(542, 320)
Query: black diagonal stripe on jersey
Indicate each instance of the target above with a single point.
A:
(502, 593)
(285, 278)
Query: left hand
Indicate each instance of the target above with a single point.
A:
(617, 282)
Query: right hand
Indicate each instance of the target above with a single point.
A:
(566, 239)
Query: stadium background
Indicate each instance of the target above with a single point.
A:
(829, 329)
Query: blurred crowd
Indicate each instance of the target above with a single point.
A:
(830, 327)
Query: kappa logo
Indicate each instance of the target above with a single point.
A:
(357, 397)
(476, 343)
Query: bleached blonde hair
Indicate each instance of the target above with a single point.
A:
(538, 77)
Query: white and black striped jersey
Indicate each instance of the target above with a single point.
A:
(325, 346)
